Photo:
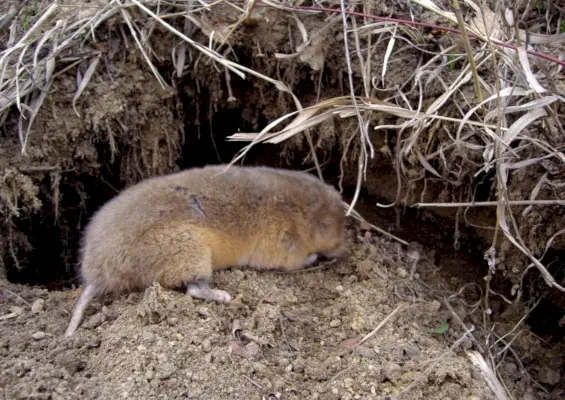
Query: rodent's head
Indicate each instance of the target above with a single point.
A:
(328, 227)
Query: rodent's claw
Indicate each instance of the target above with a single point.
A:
(221, 296)
(201, 291)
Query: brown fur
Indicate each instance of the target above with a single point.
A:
(177, 229)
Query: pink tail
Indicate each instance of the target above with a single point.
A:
(83, 301)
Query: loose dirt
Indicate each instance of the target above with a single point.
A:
(285, 336)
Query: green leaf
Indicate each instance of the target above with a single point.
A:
(442, 329)
(451, 62)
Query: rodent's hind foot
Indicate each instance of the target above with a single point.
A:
(200, 290)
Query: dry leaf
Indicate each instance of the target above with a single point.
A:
(349, 343)
(248, 351)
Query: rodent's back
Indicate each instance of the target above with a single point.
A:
(238, 211)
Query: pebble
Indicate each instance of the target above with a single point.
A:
(19, 301)
(412, 352)
(339, 289)
(392, 371)
(299, 365)
(433, 306)
(149, 337)
(206, 345)
(70, 362)
(38, 306)
(95, 321)
(401, 272)
(365, 352)
(17, 310)
(165, 370)
(39, 335)
(283, 362)
(93, 344)
(549, 376)
(334, 323)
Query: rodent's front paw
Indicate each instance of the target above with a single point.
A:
(203, 292)
(221, 296)
(312, 258)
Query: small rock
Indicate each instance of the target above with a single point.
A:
(365, 352)
(412, 352)
(162, 358)
(549, 376)
(70, 363)
(401, 272)
(392, 371)
(17, 310)
(206, 345)
(93, 344)
(38, 306)
(95, 321)
(147, 336)
(334, 323)
(288, 315)
(299, 365)
(165, 370)
(39, 335)
(283, 362)
(19, 301)
(433, 306)
(339, 289)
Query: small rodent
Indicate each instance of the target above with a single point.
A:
(177, 229)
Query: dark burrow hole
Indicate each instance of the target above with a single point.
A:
(50, 260)
(548, 317)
